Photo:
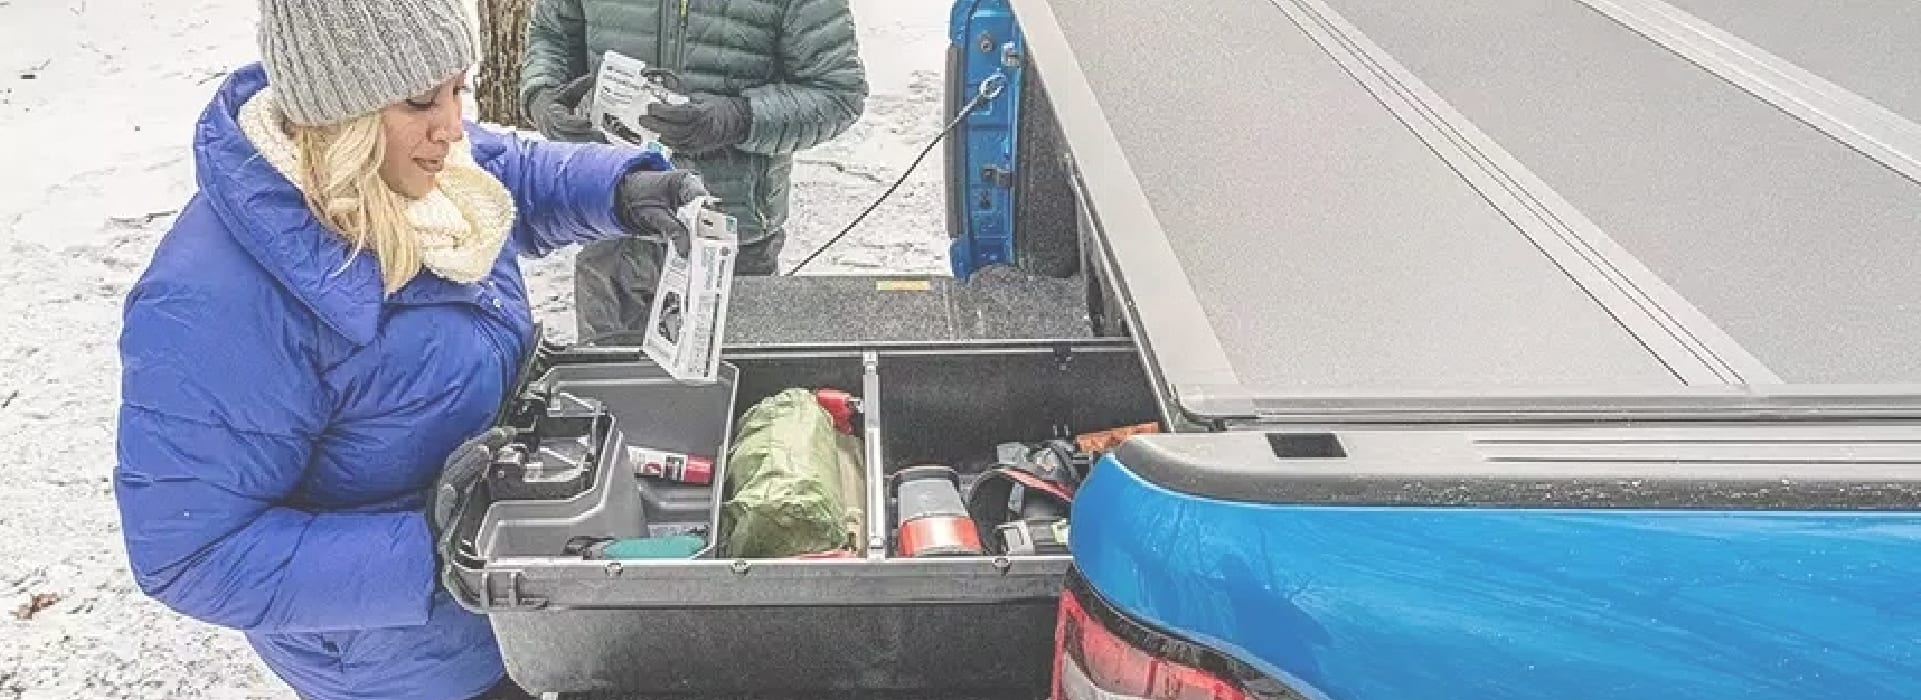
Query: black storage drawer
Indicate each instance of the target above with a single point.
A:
(713, 625)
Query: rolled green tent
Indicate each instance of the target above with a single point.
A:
(784, 481)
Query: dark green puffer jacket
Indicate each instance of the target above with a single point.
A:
(796, 61)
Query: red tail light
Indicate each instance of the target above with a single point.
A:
(1094, 662)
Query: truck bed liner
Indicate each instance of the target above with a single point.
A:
(1448, 196)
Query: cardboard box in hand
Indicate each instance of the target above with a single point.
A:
(686, 325)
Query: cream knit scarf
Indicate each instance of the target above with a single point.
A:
(461, 224)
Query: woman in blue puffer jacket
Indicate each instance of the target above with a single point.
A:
(336, 311)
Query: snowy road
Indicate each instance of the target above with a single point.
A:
(97, 104)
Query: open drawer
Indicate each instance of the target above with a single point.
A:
(712, 624)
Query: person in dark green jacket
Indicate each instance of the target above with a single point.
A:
(766, 78)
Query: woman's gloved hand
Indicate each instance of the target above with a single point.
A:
(464, 468)
(649, 201)
(706, 123)
(565, 113)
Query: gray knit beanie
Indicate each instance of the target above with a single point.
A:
(332, 60)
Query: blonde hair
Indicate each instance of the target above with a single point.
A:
(340, 178)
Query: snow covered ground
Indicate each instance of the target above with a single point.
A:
(97, 104)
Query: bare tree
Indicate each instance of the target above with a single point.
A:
(503, 38)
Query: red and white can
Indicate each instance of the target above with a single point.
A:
(671, 466)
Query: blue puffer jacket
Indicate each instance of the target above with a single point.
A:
(280, 420)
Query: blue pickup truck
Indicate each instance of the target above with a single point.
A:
(1543, 349)
(1555, 349)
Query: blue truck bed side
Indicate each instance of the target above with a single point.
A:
(1423, 603)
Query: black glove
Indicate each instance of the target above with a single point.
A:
(565, 113)
(649, 201)
(706, 123)
(464, 468)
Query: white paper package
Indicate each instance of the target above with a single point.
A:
(622, 91)
(688, 321)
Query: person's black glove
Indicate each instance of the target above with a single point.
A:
(464, 468)
(649, 202)
(565, 113)
(706, 123)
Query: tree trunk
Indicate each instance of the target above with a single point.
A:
(503, 38)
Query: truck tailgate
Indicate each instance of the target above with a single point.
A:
(1440, 195)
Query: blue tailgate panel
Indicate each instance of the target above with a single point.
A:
(987, 43)
(1385, 603)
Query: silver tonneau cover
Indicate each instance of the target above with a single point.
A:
(1332, 197)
